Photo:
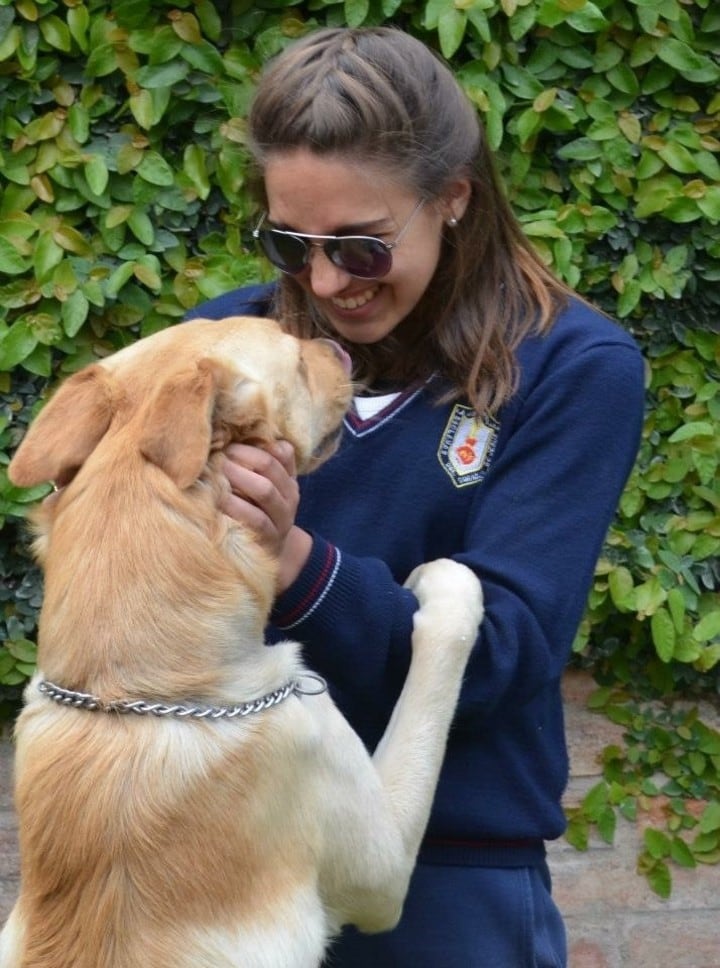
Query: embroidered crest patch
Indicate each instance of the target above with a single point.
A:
(467, 445)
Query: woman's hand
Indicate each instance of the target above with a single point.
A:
(264, 497)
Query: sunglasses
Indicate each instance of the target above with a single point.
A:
(362, 256)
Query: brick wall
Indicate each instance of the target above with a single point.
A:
(614, 920)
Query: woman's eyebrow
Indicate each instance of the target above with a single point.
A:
(373, 227)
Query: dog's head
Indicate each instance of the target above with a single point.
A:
(188, 391)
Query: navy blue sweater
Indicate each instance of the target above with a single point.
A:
(525, 500)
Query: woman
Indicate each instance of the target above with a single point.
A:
(498, 420)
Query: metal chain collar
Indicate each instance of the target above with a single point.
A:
(85, 700)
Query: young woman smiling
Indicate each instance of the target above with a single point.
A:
(497, 419)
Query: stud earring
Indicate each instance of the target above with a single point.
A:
(452, 222)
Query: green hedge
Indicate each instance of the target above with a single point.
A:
(124, 203)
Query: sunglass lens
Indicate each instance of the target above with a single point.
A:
(363, 257)
(287, 252)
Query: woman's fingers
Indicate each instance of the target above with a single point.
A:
(264, 493)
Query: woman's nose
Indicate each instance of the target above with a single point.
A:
(326, 279)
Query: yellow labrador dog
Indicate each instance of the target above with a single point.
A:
(187, 796)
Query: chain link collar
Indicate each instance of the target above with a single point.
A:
(84, 700)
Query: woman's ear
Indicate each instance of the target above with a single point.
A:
(455, 199)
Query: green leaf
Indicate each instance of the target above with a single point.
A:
(141, 226)
(356, 12)
(102, 61)
(577, 833)
(71, 240)
(154, 169)
(629, 298)
(11, 262)
(677, 157)
(709, 203)
(660, 879)
(46, 256)
(205, 58)
(528, 124)
(708, 627)
(147, 276)
(543, 228)
(186, 26)
(710, 818)
(606, 824)
(55, 33)
(141, 106)
(451, 30)
(74, 312)
(118, 278)
(600, 697)
(162, 75)
(588, 19)
(689, 431)
(79, 122)
(96, 174)
(117, 215)
(595, 800)
(9, 42)
(620, 583)
(209, 19)
(16, 345)
(22, 649)
(655, 194)
(663, 634)
(624, 79)
(78, 21)
(196, 170)
(687, 60)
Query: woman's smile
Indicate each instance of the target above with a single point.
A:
(357, 300)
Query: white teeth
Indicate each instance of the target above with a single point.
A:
(356, 301)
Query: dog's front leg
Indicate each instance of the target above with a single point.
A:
(410, 754)
(377, 811)
(11, 941)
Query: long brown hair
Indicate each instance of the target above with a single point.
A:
(381, 96)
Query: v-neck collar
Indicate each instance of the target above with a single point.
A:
(360, 427)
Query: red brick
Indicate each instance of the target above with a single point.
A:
(587, 954)
(684, 939)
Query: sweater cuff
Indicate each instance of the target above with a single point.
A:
(311, 586)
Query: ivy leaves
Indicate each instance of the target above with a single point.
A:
(666, 780)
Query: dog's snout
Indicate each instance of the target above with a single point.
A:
(339, 353)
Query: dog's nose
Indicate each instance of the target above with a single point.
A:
(340, 353)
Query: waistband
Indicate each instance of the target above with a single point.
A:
(482, 853)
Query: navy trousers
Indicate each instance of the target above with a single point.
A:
(465, 917)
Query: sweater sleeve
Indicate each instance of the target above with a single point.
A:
(538, 530)
(534, 532)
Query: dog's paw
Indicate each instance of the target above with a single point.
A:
(450, 593)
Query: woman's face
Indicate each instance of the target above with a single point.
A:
(330, 195)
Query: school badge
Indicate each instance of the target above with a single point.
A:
(467, 445)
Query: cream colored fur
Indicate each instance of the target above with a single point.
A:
(241, 843)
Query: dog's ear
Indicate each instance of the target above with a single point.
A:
(198, 411)
(176, 430)
(66, 431)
